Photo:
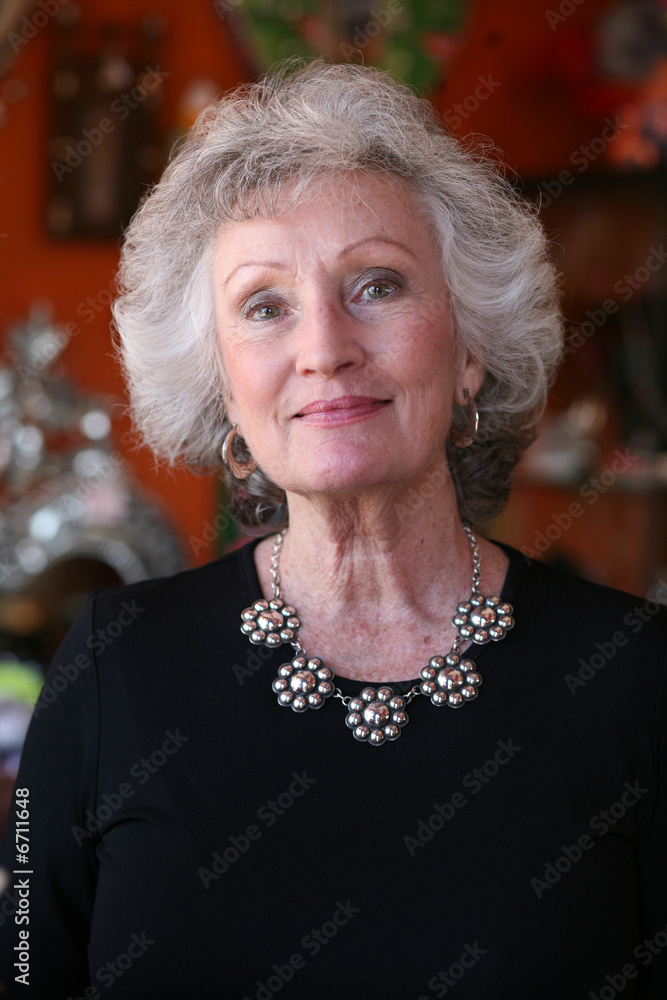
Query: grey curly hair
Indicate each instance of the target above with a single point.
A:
(284, 133)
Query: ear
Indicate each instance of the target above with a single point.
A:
(469, 376)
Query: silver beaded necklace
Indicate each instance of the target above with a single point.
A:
(377, 715)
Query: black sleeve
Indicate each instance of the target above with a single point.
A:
(650, 955)
(47, 905)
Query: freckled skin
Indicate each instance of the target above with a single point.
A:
(329, 337)
(343, 298)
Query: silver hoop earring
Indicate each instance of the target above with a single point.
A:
(464, 438)
(240, 470)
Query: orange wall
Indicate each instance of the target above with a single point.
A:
(66, 273)
(546, 99)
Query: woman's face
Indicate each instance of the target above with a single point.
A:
(336, 334)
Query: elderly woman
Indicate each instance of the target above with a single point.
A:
(347, 759)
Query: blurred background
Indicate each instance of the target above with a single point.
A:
(93, 96)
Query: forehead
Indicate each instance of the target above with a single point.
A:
(330, 211)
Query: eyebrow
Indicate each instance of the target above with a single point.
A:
(276, 265)
(377, 239)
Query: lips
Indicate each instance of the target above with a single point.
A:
(342, 403)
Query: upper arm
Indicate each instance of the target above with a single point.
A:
(650, 955)
(58, 772)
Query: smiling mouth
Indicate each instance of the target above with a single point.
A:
(349, 403)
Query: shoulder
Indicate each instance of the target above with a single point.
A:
(164, 619)
(588, 662)
(568, 615)
(573, 623)
(535, 581)
(190, 594)
(133, 636)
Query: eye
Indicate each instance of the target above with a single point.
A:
(378, 286)
(265, 312)
(261, 310)
(379, 289)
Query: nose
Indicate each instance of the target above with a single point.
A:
(329, 341)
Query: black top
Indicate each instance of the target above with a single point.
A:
(189, 837)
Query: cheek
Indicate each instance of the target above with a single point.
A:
(429, 359)
(255, 383)
(429, 376)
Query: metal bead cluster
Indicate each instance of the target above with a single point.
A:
(270, 622)
(449, 680)
(376, 716)
(303, 684)
(483, 619)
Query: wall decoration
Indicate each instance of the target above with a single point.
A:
(107, 143)
(632, 47)
(72, 516)
(16, 27)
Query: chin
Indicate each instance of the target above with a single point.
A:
(349, 475)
